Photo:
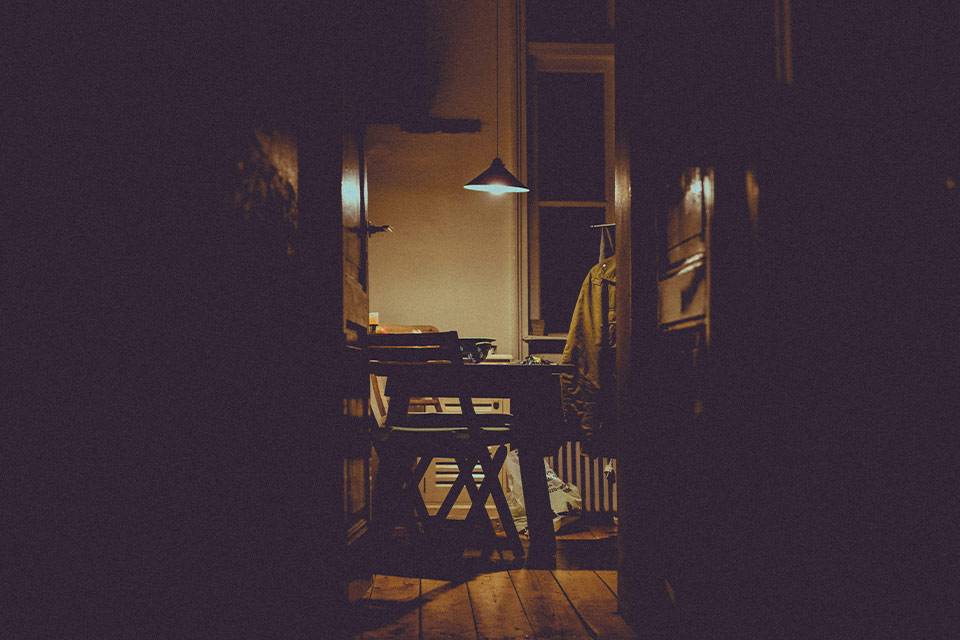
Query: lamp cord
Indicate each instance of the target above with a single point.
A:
(497, 79)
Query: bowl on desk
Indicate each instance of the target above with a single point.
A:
(476, 349)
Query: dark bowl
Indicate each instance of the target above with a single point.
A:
(475, 349)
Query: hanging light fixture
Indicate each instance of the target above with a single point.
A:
(497, 179)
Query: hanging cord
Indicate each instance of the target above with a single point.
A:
(497, 50)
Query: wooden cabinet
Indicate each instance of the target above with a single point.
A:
(682, 289)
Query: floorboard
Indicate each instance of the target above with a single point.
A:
(610, 579)
(394, 604)
(578, 533)
(595, 603)
(497, 609)
(601, 531)
(548, 609)
(446, 613)
(420, 595)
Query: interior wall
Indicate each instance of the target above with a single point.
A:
(452, 258)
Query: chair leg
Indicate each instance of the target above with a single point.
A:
(478, 500)
(489, 487)
(387, 495)
(492, 487)
(456, 489)
(409, 504)
(491, 470)
(413, 490)
(396, 496)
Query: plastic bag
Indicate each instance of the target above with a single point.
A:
(565, 501)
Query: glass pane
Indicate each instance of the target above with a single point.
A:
(569, 248)
(570, 136)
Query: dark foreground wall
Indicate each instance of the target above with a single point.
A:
(163, 391)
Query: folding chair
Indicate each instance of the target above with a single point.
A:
(408, 441)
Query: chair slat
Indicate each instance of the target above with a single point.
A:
(439, 339)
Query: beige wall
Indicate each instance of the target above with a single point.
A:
(451, 260)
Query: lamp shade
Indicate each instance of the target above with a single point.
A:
(496, 179)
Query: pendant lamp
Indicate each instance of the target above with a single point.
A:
(497, 179)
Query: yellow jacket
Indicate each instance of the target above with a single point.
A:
(588, 394)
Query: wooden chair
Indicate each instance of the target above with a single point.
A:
(408, 441)
(376, 391)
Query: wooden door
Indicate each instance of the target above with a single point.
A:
(348, 375)
(225, 286)
(356, 412)
(692, 478)
(743, 519)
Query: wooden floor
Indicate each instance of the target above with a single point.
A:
(476, 597)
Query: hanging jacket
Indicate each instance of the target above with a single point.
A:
(588, 394)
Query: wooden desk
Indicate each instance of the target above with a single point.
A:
(534, 393)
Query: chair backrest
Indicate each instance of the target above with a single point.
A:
(408, 328)
(377, 400)
(441, 348)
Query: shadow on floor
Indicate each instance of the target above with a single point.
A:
(457, 554)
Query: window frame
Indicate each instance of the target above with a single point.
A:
(551, 57)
